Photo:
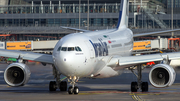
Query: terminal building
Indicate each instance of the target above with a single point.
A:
(42, 19)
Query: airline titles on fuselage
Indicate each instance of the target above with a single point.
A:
(100, 48)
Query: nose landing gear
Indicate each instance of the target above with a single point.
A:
(73, 89)
(62, 85)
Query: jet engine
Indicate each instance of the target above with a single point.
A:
(17, 74)
(162, 75)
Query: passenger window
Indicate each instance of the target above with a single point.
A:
(70, 48)
(59, 48)
(63, 48)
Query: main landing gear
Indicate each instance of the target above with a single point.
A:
(53, 85)
(73, 89)
(139, 84)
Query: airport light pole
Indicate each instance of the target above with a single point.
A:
(88, 17)
(32, 6)
(134, 4)
(141, 14)
(172, 18)
(79, 14)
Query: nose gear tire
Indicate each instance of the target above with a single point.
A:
(76, 90)
(70, 90)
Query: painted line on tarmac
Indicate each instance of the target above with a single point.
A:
(165, 89)
(101, 92)
(121, 92)
(147, 93)
(89, 93)
(136, 97)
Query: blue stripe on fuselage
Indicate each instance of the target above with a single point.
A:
(100, 49)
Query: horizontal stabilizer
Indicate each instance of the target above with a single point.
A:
(75, 29)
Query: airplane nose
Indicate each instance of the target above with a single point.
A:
(68, 64)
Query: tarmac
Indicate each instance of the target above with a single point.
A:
(107, 89)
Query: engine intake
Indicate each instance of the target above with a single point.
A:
(162, 75)
(17, 74)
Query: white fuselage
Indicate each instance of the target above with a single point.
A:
(87, 54)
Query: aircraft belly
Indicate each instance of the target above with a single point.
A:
(108, 72)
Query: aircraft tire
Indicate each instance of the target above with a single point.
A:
(52, 86)
(76, 90)
(70, 90)
(134, 87)
(144, 86)
(63, 86)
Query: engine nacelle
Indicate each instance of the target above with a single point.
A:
(17, 74)
(162, 75)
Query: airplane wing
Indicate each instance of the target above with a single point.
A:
(76, 29)
(152, 33)
(45, 58)
(134, 60)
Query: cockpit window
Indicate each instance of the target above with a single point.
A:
(63, 48)
(59, 48)
(78, 48)
(70, 48)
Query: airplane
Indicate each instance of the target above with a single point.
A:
(95, 54)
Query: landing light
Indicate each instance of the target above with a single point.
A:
(74, 77)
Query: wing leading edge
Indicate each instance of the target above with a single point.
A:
(27, 55)
(153, 33)
(133, 60)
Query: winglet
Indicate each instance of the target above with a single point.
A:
(123, 14)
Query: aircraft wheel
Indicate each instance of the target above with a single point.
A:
(63, 86)
(70, 90)
(134, 87)
(52, 86)
(76, 90)
(144, 86)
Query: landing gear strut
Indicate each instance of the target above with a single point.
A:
(73, 89)
(53, 85)
(139, 84)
